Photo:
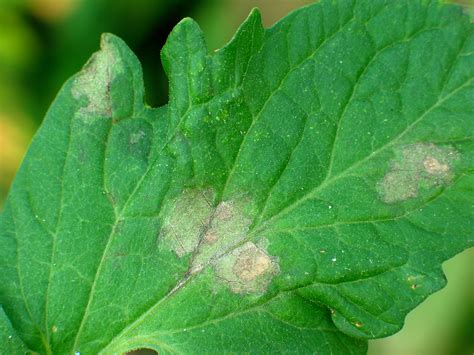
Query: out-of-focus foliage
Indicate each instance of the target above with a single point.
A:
(42, 42)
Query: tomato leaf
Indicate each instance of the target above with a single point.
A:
(299, 192)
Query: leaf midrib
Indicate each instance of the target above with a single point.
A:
(331, 179)
(326, 182)
(122, 213)
(185, 281)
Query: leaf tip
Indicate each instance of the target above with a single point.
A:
(255, 13)
(92, 85)
(186, 24)
(104, 87)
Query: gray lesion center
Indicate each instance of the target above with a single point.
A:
(216, 236)
(416, 167)
(92, 84)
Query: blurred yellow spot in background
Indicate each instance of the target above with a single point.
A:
(13, 143)
(52, 10)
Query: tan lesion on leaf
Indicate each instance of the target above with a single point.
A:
(417, 166)
(251, 263)
(185, 221)
(93, 82)
(216, 236)
(434, 167)
(210, 237)
(248, 269)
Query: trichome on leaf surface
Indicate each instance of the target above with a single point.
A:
(298, 193)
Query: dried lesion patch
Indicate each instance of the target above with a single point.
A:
(247, 269)
(93, 82)
(417, 166)
(185, 221)
(216, 236)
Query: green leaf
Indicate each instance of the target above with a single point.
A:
(10, 343)
(299, 192)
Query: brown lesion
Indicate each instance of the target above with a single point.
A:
(224, 211)
(210, 237)
(434, 167)
(416, 166)
(251, 263)
(216, 236)
(248, 269)
(93, 83)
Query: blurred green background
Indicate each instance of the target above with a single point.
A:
(43, 42)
